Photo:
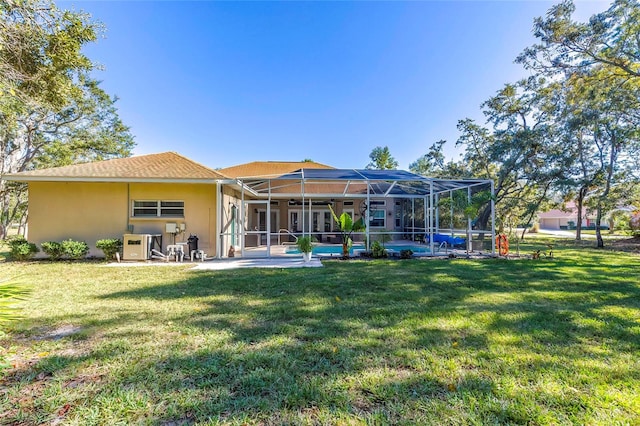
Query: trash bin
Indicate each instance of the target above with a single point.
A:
(192, 241)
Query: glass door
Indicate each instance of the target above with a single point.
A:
(255, 231)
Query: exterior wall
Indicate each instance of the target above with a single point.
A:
(560, 223)
(199, 212)
(89, 211)
(550, 223)
(80, 211)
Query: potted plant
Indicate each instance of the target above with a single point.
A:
(305, 245)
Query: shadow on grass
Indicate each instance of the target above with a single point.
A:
(381, 341)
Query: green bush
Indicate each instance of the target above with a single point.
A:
(75, 249)
(110, 246)
(21, 249)
(377, 250)
(305, 244)
(406, 254)
(53, 249)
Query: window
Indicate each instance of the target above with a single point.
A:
(377, 218)
(158, 208)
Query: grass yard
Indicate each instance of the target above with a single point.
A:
(552, 341)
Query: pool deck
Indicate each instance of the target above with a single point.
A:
(255, 257)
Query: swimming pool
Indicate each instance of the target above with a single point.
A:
(331, 250)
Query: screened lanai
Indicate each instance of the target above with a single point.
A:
(266, 214)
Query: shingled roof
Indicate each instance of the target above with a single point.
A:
(270, 169)
(166, 166)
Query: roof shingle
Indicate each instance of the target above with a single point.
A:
(270, 169)
(162, 166)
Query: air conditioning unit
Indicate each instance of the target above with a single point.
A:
(135, 246)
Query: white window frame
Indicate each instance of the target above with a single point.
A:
(384, 218)
(158, 208)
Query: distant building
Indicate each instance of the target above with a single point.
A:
(566, 218)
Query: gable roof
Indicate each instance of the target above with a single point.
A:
(270, 169)
(163, 167)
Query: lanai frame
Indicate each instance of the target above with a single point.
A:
(309, 185)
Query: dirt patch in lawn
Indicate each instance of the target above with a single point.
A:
(628, 244)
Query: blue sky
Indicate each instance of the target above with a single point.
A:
(230, 82)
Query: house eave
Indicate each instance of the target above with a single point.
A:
(21, 178)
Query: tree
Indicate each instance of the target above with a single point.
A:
(381, 159)
(598, 65)
(613, 140)
(430, 163)
(609, 38)
(520, 153)
(52, 112)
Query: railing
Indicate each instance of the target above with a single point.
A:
(286, 231)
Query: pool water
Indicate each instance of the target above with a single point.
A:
(337, 249)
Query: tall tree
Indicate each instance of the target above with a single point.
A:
(52, 112)
(613, 140)
(598, 62)
(430, 163)
(608, 38)
(520, 152)
(382, 159)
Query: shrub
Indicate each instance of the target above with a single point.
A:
(110, 246)
(21, 249)
(406, 254)
(53, 249)
(75, 249)
(305, 244)
(377, 250)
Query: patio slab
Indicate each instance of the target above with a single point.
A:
(235, 263)
(273, 262)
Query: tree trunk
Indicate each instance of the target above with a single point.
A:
(345, 250)
(607, 188)
(579, 206)
(600, 241)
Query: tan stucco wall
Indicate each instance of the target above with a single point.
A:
(77, 210)
(91, 211)
(199, 212)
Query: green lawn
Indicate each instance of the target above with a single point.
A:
(553, 341)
